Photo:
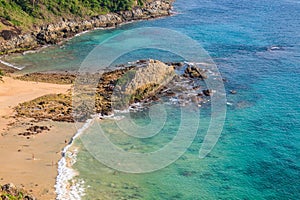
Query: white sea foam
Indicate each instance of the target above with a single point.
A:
(66, 187)
(275, 48)
(112, 116)
(30, 51)
(81, 33)
(11, 65)
(228, 103)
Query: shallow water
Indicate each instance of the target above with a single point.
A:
(257, 156)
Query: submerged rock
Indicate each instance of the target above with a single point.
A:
(233, 91)
(208, 92)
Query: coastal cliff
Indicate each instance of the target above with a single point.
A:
(14, 39)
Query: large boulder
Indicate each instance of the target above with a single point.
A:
(142, 82)
(153, 73)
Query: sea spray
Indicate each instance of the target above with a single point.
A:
(63, 189)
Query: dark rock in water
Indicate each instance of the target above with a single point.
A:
(197, 87)
(187, 173)
(142, 61)
(233, 91)
(154, 98)
(170, 94)
(181, 64)
(208, 92)
(175, 64)
(195, 72)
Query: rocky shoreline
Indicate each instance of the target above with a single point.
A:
(140, 83)
(118, 89)
(13, 41)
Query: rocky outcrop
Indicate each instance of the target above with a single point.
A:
(142, 82)
(148, 79)
(15, 41)
(136, 82)
(195, 72)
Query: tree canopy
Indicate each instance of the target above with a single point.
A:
(22, 12)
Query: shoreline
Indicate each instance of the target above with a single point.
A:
(48, 149)
(65, 172)
(64, 40)
(61, 43)
(30, 161)
(65, 29)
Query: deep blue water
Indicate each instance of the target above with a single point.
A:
(258, 154)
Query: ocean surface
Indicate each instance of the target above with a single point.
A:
(256, 46)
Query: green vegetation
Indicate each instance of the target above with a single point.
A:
(63, 78)
(28, 12)
(12, 197)
(57, 107)
(10, 192)
(1, 75)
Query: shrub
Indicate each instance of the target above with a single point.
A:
(1, 75)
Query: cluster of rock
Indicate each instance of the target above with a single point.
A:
(195, 72)
(187, 87)
(16, 41)
(118, 89)
(34, 130)
(144, 81)
(10, 191)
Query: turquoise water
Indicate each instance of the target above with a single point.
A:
(258, 155)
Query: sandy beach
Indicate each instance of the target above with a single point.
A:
(30, 162)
